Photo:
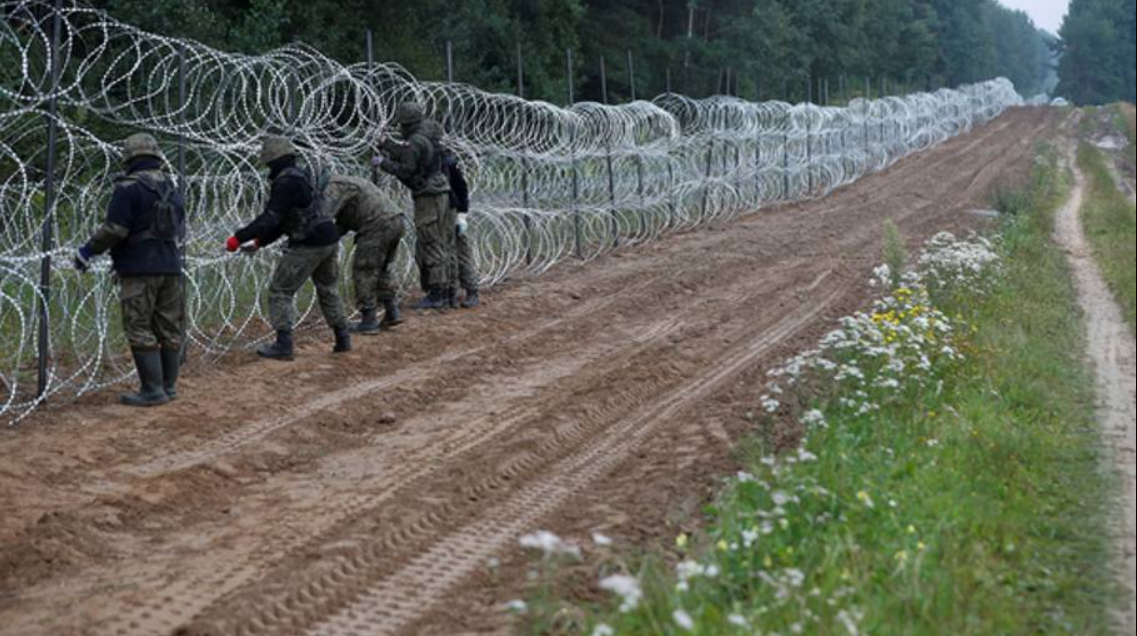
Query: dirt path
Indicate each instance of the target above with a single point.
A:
(366, 494)
(1111, 350)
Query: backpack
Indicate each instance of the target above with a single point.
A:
(164, 225)
(318, 212)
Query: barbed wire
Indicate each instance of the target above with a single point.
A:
(549, 183)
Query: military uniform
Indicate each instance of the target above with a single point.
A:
(145, 220)
(418, 165)
(359, 206)
(294, 211)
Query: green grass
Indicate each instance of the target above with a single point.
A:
(1124, 120)
(973, 506)
(1111, 226)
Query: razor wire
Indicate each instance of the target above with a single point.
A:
(549, 183)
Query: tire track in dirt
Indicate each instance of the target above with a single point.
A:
(234, 441)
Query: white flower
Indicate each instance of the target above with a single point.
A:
(517, 607)
(550, 544)
(601, 540)
(627, 588)
(603, 630)
(813, 418)
(683, 620)
(736, 620)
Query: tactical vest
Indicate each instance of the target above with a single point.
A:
(433, 166)
(299, 223)
(165, 224)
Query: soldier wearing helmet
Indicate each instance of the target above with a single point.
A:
(296, 210)
(145, 222)
(417, 163)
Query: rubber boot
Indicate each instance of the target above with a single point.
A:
(391, 317)
(369, 324)
(435, 300)
(472, 299)
(279, 350)
(152, 393)
(452, 298)
(343, 341)
(171, 367)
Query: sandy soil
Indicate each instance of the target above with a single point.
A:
(366, 494)
(1112, 353)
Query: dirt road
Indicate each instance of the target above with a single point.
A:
(366, 494)
(1113, 355)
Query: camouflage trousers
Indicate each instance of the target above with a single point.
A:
(296, 266)
(153, 311)
(373, 267)
(434, 240)
(464, 267)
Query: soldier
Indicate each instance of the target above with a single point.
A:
(145, 220)
(360, 206)
(418, 165)
(297, 211)
(464, 267)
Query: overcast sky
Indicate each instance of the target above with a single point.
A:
(1047, 14)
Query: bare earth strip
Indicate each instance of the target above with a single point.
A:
(365, 493)
(1111, 350)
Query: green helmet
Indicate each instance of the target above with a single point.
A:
(275, 147)
(410, 114)
(140, 145)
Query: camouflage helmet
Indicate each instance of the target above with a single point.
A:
(140, 145)
(275, 147)
(410, 114)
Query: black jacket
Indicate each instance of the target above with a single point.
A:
(459, 189)
(288, 195)
(130, 215)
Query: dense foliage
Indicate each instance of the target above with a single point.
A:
(766, 47)
(1099, 58)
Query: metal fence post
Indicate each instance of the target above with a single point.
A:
(524, 166)
(639, 158)
(608, 156)
(184, 190)
(572, 158)
(49, 202)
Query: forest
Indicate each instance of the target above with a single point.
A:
(1099, 52)
(757, 49)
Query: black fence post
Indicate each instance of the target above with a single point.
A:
(572, 158)
(49, 203)
(608, 158)
(183, 189)
(524, 166)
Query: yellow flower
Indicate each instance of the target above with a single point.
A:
(681, 541)
(902, 556)
(723, 546)
(911, 529)
(768, 562)
(922, 546)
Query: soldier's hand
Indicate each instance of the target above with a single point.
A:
(82, 260)
(251, 247)
(463, 225)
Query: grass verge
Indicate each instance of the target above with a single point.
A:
(967, 500)
(1111, 227)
